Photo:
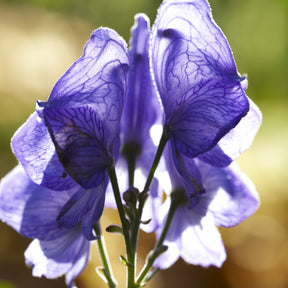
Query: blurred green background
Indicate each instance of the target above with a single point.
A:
(39, 40)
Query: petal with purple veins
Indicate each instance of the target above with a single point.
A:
(86, 207)
(81, 141)
(234, 143)
(30, 208)
(230, 195)
(35, 150)
(142, 106)
(196, 76)
(97, 78)
(67, 255)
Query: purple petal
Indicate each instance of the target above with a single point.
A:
(239, 139)
(148, 152)
(230, 196)
(29, 208)
(196, 76)
(169, 258)
(142, 106)
(35, 151)
(183, 172)
(196, 238)
(81, 143)
(67, 255)
(201, 243)
(97, 78)
(86, 207)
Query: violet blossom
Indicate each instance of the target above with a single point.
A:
(141, 111)
(32, 211)
(229, 198)
(99, 116)
(210, 122)
(196, 77)
(72, 139)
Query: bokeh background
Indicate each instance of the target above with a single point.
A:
(40, 39)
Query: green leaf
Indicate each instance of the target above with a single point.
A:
(151, 274)
(115, 229)
(160, 250)
(102, 273)
(125, 261)
(146, 222)
(148, 277)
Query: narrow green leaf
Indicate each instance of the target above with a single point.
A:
(148, 277)
(146, 222)
(151, 274)
(115, 229)
(102, 273)
(125, 262)
(160, 250)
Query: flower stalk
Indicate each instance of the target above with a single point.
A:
(107, 270)
(159, 248)
(130, 262)
(143, 195)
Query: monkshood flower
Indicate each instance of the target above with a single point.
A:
(196, 77)
(142, 109)
(71, 140)
(207, 196)
(234, 143)
(32, 210)
(229, 198)
(97, 121)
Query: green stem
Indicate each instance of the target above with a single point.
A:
(104, 256)
(131, 171)
(125, 226)
(158, 249)
(143, 195)
(164, 139)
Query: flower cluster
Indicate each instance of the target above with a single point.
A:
(99, 118)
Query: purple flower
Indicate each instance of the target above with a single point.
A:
(210, 122)
(72, 139)
(211, 196)
(236, 141)
(32, 211)
(74, 132)
(229, 198)
(207, 113)
(142, 109)
(195, 73)
(100, 115)
(229, 147)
